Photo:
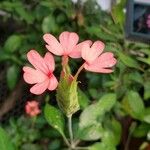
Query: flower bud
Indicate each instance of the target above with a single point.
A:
(67, 96)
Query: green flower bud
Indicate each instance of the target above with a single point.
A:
(67, 96)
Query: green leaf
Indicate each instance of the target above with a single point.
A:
(101, 146)
(12, 76)
(112, 132)
(141, 130)
(83, 99)
(146, 115)
(133, 104)
(93, 113)
(24, 13)
(13, 43)
(118, 13)
(93, 132)
(146, 90)
(5, 142)
(4, 56)
(128, 61)
(49, 24)
(55, 118)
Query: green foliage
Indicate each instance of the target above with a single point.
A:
(133, 104)
(12, 44)
(12, 76)
(54, 117)
(95, 112)
(5, 143)
(105, 99)
(83, 99)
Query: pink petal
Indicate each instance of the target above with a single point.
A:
(97, 69)
(37, 61)
(39, 88)
(53, 45)
(107, 60)
(102, 64)
(53, 83)
(68, 40)
(96, 49)
(49, 60)
(32, 76)
(85, 52)
(76, 52)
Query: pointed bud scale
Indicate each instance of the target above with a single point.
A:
(67, 96)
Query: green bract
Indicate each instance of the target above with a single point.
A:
(67, 96)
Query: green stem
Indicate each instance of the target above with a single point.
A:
(79, 70)
(70, 129)
(66, 140)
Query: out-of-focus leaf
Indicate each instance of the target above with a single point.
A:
(96, 31)
(133, 104)
(92, 132)
(83, 99)
(4, 56)
(146, 90)
(128, 61)
(12, 76)
(144, 60)
(5, 142)
(32, 146)
(54, 117)
(136, 76)
(118, 13)
(146, 115)
(24, 13)
(101, 146)
(96, 111)
(141, 130)
(13, 43)
(49, 24)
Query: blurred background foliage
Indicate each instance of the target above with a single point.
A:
(121, 122)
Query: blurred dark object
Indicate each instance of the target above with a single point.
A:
(137, 21)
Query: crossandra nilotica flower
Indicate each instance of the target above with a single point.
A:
(66, 46)
(95, 59)
(42, 73)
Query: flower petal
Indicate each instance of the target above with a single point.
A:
(85, 52)
(53, 83)
(39, 88)
(32, 76)
(97, 69)
(76, 52)
(96, 49)
(68, 40)
(53, 45)
(49, 60)
(37, 61)
(107, 60)
(102, 64)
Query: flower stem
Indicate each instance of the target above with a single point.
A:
(79, 70)
(66, 140)
(70, 129)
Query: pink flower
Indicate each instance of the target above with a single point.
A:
(32, 108)
(42, 76)
(95, 60)
(67, 46)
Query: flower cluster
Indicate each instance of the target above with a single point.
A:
(42, 74)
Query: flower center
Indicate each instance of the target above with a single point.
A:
(49, 75)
